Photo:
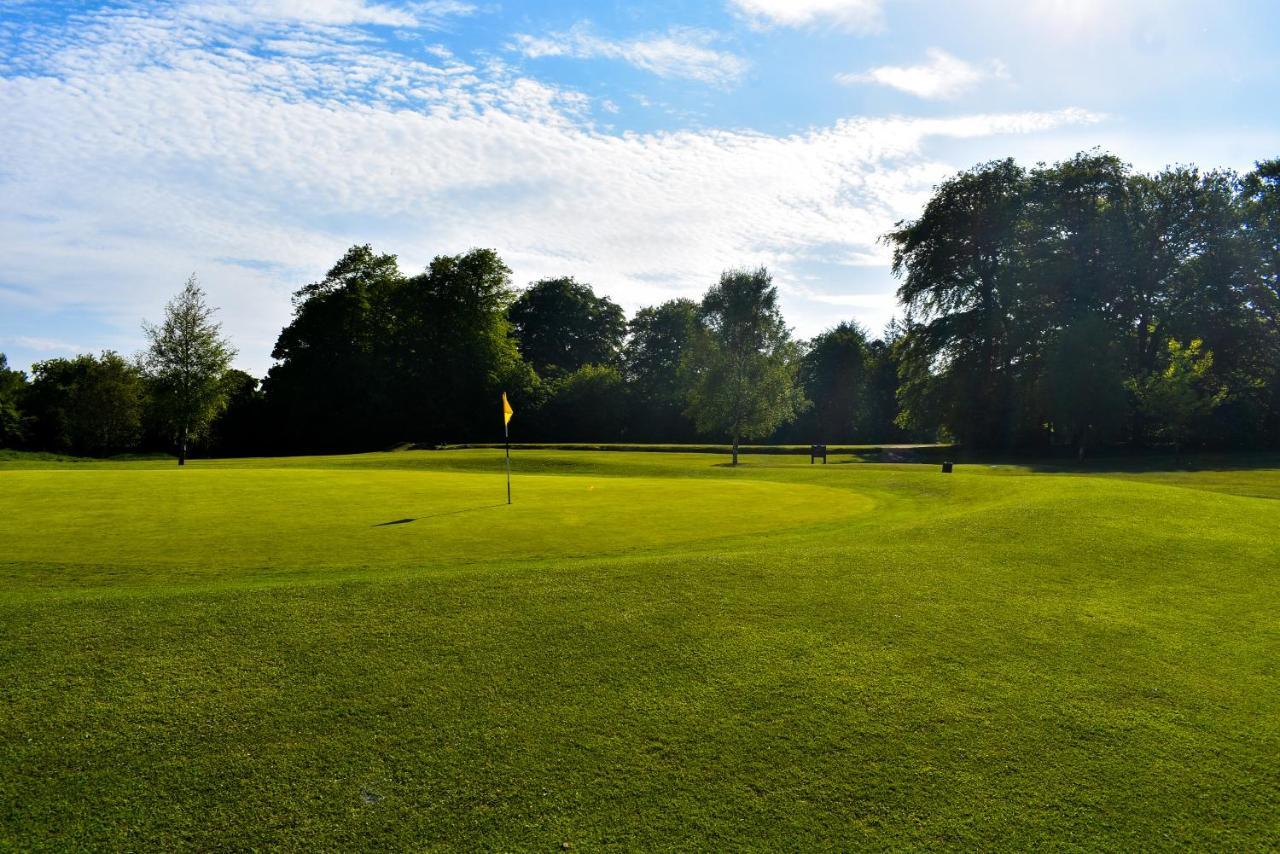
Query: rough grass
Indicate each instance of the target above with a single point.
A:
(646, 650)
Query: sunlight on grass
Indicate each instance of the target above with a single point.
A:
(646, 650)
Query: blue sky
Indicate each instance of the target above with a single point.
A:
(642, 147)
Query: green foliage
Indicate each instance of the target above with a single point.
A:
(373, 357)
(644, 652)
(1260, 191)
(852, 382)
(656, 344)
(589, 404)
(741, 365)
(453, 348)
(1004, 266)
(86, 405)
(187, 362)
(835, 372)
(562, 325)
(882, 390)
(240, 427)
(960, 276)
(1182, 395)
(331, 385)
(12, 386)
(1083, 383)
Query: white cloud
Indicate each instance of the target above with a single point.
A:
(139, 149)
(334, 12)
(864, 16)
(43, 345)
(943, 77)
(682, 52)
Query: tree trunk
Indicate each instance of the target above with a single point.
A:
(735, 450)
(182, 449)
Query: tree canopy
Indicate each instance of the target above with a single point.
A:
(187, 362)
(1060, 306)
(1037, 301)
(741, 367)
(658, 337)
(12, 387)
(562, 325)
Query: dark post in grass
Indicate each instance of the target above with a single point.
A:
(946, 467)
(816, 451)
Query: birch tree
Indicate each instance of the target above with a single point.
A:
(741, 366)
(187, 361)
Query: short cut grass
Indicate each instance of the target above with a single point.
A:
(644, 651)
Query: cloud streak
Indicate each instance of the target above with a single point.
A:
(150, 146)
(681, 52)
(943, 77)
(860, 16)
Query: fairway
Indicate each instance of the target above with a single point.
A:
(644, 650)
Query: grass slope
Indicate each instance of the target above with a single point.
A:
(647, 650)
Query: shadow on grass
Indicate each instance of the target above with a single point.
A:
(406, 521)
(1133, 462)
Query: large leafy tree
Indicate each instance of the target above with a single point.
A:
(240, 429)
(835, 373)
(330, 387)
(12, 386)
(1260, 194)
(562, 325)
(374, 357)
(86, 405)
(881, 398)
(656, 344)
(1075, 239)
(187, 362)
(454, 352)
(1181, 395)
(961, 265)
(1083, 384)
(1010, 278)
(741, 368)
(1159, 238)
(588, 405)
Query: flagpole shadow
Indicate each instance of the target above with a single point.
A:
(406, 521)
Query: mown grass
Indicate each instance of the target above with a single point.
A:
(645, 651)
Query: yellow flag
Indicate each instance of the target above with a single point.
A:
(507, 411)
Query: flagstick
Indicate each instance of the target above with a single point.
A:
(506, 431)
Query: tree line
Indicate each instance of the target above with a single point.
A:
(1085, 303)
(1070, 305)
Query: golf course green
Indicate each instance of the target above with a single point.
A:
(645, 650)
